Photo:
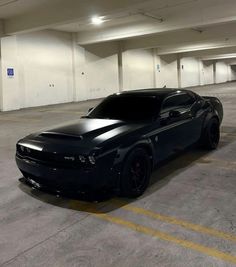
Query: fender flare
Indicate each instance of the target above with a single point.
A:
(124, 151)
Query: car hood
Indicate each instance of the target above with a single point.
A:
(85, 135)
(84, 128)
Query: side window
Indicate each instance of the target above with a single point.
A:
(178, 101)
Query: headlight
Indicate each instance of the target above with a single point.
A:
(82, 159)
(87, 159)
(92, 160)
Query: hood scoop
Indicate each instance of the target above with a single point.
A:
(64, 136)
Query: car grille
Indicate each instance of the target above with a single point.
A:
(48, 158)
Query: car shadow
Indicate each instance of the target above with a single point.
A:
(103, 202)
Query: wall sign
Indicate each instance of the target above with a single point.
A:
(10, 72)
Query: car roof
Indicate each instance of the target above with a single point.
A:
(161, 92)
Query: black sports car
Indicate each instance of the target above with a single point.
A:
(119, 142)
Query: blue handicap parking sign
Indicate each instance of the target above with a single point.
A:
(10, 72)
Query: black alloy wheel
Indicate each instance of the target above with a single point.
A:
(212, 134)
(136, 173)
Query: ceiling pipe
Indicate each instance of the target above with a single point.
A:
(149, 15)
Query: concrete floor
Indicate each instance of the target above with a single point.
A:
(187, 217)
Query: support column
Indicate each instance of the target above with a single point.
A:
(74, 65)
(179, 70)
(154, 53)
(201, 72)
(214, 72)
(229, 73)
(120, 65)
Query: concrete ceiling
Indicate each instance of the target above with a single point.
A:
(13, 8)
(174, 26)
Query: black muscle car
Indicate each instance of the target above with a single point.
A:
(119, 142)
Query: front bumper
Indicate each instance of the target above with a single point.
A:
(100, 177)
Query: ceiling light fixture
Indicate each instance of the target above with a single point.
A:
(97, 20)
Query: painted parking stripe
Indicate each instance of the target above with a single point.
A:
(154, 233)
(172, 220)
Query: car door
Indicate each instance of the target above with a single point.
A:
(176, 122)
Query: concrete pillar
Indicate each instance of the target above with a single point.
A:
(179, 70)
(74, 65)
(201, 72)
(154, 52)
(229, 73)
(214, 72)
(120, 66)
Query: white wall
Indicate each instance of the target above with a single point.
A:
(208, 75)
(190, 75)
(233, 72)
(43, 69)
(11, 94)
(166, 71)
(221, 72)
(97, 71)
(1, 93)
(51, 68)
(138, 69)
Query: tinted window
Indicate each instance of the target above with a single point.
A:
(134, 108)
(177, 101)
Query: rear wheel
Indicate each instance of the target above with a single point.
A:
(211, 136)
(136, 173)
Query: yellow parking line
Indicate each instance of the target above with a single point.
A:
(155, 233)
(172, 220)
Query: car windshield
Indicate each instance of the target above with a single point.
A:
(127, 108)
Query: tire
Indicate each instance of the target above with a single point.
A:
(136, 173)
(211, 136)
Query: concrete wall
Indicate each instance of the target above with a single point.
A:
(233, 72)
(42, 63)
(221, 72)
(138, 69)
(97, 71)
(51, 68)
(166, 71)
(190, 75)
(208, 72)
(11, 93)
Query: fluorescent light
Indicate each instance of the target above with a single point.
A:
(97, 20)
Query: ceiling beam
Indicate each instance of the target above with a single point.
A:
(224, 33)
(219, 57)
(1, 28)
(193, 46)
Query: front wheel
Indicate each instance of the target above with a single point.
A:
(136, 173)
(211, 136)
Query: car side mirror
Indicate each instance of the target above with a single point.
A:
(174, 114)
(90, 110)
